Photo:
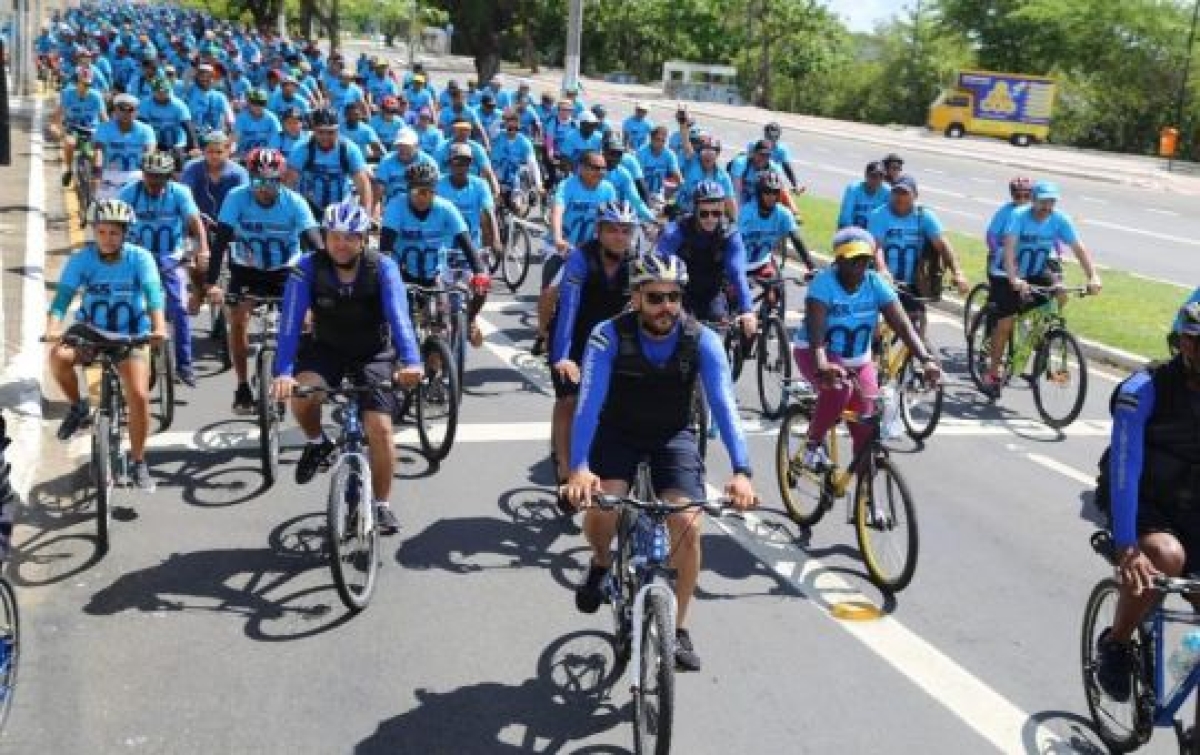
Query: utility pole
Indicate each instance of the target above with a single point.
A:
(1181, 100)
(574, 44)
(412, 33)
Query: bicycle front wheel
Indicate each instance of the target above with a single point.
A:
(920, 404)
(974, 302)
(162, 378)
(1124, 726)
(804, 491)
(353, 534)
(437, 401)
(774, 367)
(654, 702)
(270, 414)
(10, 648)
(885, 521)
(514, 266)
(102, 478)
(1059, 379)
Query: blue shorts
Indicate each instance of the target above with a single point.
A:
(332, 365)
(675, 463)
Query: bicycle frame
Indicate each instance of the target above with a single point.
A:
(1166, 706)
(1032, 327)
(350, 446)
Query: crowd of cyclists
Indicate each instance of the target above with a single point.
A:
(230, 161)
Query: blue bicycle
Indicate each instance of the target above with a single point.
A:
(1127, 725)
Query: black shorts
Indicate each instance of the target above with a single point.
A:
(707, 306)
(913, 307)
(251, 281)
(1182, 522)
(675, 463)
(551, 267)
(1006, 302)
(332, 366)
(563, 388)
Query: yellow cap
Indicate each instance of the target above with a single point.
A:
(852, 249)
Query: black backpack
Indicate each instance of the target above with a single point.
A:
(928, 277)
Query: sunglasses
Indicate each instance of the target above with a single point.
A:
(595, 166)
(702, 214)
(624, 230)
(264, 183)
(126, 108)
(659, 298)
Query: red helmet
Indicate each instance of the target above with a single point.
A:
(266, 163)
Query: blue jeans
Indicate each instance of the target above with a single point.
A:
(174, 277)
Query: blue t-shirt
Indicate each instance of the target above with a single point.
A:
(744, 170)
(850, 318)
(117, 297)
(1036, 241)
(430, 139)
(124, 151)
(994, 237)
(208, 108)
(381, 86)
(471, 200)
(637, 131)
(575, 144)
(903, 238)
(509, 155)
(82, 111)
(251, 132)
(362, 135)
(693, 174)
(325, 181)
(858, 204)
(162, 220)
(278, 103)
(286, 142)
(657, 167)
(391, 173)
(448, 115)
(418, 240)
(208, 195)
(761, 234)
(386, 130)
(267, 238)
(579, 205)
(779, 153)
(167, 119)
(622, 181)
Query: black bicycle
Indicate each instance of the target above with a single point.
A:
(162, 382)
(439, 394)
(264, 319)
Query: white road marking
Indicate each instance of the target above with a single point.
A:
(1064, 470)
(979, 180)
(828, 168)
(1168, 213)
(943, 192)
(934, 171)
(534, 369)
(1141, 232)
(963, 213)
(1094, 200)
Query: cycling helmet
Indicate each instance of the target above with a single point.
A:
(1189, 319)
(613, 142)
(768, 180)
(256, 97)
(325, 117)
(113, 211)
(391, 102)
(772, 131)
(708, 191)
(265, 162)
(421, 175)
(1020, 183)
(347, 216)
(852, 242)
(158, 164)
(658, 268)
(617, 212)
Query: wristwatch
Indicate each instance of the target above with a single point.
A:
(744, 471)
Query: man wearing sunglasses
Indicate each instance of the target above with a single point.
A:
(481, 164)
(640, 371)
(556, 130)
(120, 145)
(511, 151)
(861, 198)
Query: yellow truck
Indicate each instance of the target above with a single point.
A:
(1009, 106)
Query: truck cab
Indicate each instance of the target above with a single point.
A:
(950, 113)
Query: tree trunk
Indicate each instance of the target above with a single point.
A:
(333, 25)
(529, 57)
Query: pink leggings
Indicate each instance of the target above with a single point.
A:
(831, 402)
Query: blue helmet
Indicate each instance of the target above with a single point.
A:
(347, 216)
(616, 211)
(708, 191)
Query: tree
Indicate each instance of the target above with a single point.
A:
(479, 25)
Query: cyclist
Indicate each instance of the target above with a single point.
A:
(79, 106)
(287, 96)
(602, 123)
(255, 126)
(391, 175)
(324, 167)
(121, 294)
(166, 212)
(380, 84)
(557, 129)
(392, 118)
(659, 163)
(637, 127)
(1029, 256)
(585, 137)
(595, 288)
(841, 310)
(170, 119)
(767, 223)
(359, 320)
(640, 371)
(512, 151)
(700, 166)
(291, 131)
(481, 165)
(471, 196)
(209, 106)
(716, 259)
(489, 115)
(1154, 468)
(429, 136)
(893, 168)
(359, 132)
(745, 169)
(121, 144)
(621, 178)
(458, 110)
(781, 155)
(267, 220)
(861, 198)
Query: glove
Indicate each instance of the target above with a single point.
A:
(480, 283)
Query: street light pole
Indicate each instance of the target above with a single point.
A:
(574, 44)
(412, 34)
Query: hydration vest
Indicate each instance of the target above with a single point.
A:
(599, 299)
(349, 317)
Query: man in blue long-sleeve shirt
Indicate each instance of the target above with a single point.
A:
(360, 323)
(640, 371)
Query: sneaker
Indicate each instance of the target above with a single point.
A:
(539, 347)
(74, 420)
(139, 475)
(476, 336)
(66, 178)
(686, 657)
(243, 400)
(187, 376)
(1114, 671)
(993, 386)
(816, 458)
(386, 519)
(590, 595)
(315, 455)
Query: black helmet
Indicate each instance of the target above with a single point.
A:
(421, 175)
(325, 117)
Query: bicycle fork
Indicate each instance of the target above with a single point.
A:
(638, 635)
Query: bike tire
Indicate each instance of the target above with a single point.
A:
(774, 364)
(654, 702)
(1123, 726)
(974, 302)
(219, 333)
(458, 344)
(162, 377)
(354, 554)
(979, 345)
(269, 415)
(1051, 363)
(920, 417)
(103, 479)
(700, 420)
(437, 402)
(83, 189)
(10, 647)
(803, 491)
(514, 266)
(734, 353)
(897, 509)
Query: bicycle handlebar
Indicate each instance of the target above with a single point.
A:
(303, 391)
(1080, 291)
(711, 506)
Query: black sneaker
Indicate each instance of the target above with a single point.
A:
(590, 595)
(243, 400)
(539, 347)
(66, 178)
(76, 416)
(311, 460)
(388, 523)
(1114, 670)
(686, 658)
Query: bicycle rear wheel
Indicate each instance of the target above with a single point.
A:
(920, 405)
(654, 702)
(804, 492)
(458, 345)
(700, 419)
(1124, 726)
(974, 302)
(353, 534)
(437, 401)
(162, 380)
(774, 367)
(102, 478)
(979, 348)
(514, 265)
(270, 414)
(1059, 379)
(10, 647)
(885, 521)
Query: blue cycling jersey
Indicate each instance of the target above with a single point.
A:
(994, 236)
(117, 296)
(627, 192)
(419, 239)
(251, 133)
(509, 155)
(780, 153)
(123, 150)
(858, 203)
(209, 195)
(850, 317)
(598, 361)
(208, 108)
(657, 167)
(761, 233)
(285, 142)
(743, 169)
(471, 199)
(429, 139)
(381, 86)
(83, 111)
(1131, 412)
(448, 115)
(637, 131)
(903, 237)
(1036, 240)
(324, 181)
(391, 173)
(267, 238)
(162, 220)
(579, 205)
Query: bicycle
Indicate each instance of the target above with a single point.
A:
(516, 248)
(440, 393)
(162, 382)
(10, 623)
(85, 154)
(638, 586)
(269, 412)
(882, 509)
(350, 514)
(1126, 726)
(1039, 332)
(920, 404)
(109, 464)
(975, 302)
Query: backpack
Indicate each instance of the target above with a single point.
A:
(310, 158)
(928, 278)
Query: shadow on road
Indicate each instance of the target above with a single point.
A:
(566, 702)
(61, 515)
(1056, 732)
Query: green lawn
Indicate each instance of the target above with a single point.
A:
(1131, 314)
